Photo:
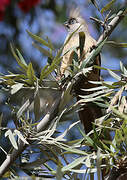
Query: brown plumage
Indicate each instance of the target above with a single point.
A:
(90, 111)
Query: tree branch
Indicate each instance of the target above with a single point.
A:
(22, 146)
(54, 110)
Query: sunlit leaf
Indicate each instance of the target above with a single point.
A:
(24, 67)
(89, 140)
(123, 69)
(90, 59)
(115, 44)
(16, 87)
(75, 163)
(38, 39)
(107, 7)
(30, 73)
(21, 57)
(11, 138)
(18, 133)
(114, 75)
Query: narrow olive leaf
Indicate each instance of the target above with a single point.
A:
(114, 75)
(81, 42)
(98, 98)
(42, 50)
(121, 115)
(115, 44)
(48, 69)
(98, 164)
(1, 118)
(95, 89)
(105, 91)
(123, 69)
(66, 131)
(23, 108)
(87, 162)
(73, 150)
(115, 98)
(75, 163)
(37, 103)
(38, 39)
(50, 43)
(11, 138)
(89, 140)
(83, 171)
(107, 7)
(18, 133)
(90, 59)
(100, 67)
(30, 73)
(24, 67)
(21, 57)
(113, 146)
(66, 97)
(16, 87)
(95, 4)
(43, 72)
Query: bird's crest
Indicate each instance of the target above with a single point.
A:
(75, 13)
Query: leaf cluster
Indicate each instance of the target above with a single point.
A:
(44, 102)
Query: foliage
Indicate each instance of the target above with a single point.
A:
(47, 98)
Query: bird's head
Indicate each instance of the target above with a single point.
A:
(75, 21)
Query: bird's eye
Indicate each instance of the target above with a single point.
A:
(72, 21)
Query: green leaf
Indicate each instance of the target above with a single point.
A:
(48, 69)
(90, 59)
(50, 43)
(43, 72)
(115, 44)
(23, 108)
(75, 163)
(11, 138)
(24, 67)
(89, 140)
(42, 50)
(40, 40)
(100, 67)
(30, 73)
(107, 7)
(21, 57)
(37, 103)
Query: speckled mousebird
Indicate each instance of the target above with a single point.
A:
(90, 111)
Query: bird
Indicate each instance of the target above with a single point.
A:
(76, 24)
